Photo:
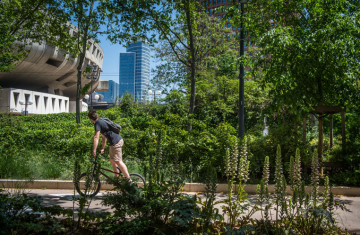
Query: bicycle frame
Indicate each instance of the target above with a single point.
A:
(102, 173)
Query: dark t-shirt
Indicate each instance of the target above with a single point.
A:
(112, 137)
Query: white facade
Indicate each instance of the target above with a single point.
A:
(83, 106)
(42, 103)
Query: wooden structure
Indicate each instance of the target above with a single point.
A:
(323, 111)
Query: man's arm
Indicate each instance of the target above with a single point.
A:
(96, 141)
(103, 142)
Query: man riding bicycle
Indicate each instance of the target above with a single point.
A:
(115, 140)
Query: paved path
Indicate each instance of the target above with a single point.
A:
(63, 198)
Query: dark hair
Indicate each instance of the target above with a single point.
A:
(93, 115)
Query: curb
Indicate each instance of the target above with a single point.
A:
(188, 187)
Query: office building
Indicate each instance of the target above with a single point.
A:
(134, 74)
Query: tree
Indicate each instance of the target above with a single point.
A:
(309, 51)
(109, 17)
(176, 23)
(24, 22)
(180, 37)
(210, 39)
(88, 16)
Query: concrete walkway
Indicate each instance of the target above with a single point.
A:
(189, 187)
(63, 198)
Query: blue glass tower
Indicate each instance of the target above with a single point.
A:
(113, 92)
(135, 70)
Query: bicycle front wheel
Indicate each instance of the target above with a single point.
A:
(89, 190)
(138, 179)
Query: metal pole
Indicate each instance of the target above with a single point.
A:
(241, 79)
(25, 107)
(91, 94)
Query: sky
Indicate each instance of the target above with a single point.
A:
(110, 65)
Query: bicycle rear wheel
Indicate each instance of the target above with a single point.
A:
(92, 189)
(135, 177)
(138, 179)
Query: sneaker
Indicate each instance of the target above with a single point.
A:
(131, 182)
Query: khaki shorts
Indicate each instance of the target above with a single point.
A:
(116, 151)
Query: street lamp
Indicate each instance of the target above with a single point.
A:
(96, 96)
(26, 103)
(155, 93)
(92, 76)
(241, 76)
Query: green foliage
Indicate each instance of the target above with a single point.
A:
(158, 205)
(160, 208)
(25, 22)
(10, 120)
(347, 157)
(300, 214)
(20, 214)
(309, 51)
(209, 215)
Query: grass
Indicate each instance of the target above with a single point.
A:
(45, 165)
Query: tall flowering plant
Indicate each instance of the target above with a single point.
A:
(236, 170)
(315, 178)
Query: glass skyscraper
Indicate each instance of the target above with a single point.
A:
(134, 71)
(113, 92)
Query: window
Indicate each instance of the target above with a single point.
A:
(37, 100)
(214, 2)
(53, 103)
(45, 101)
(60, 100)
(16, 97)
(219, 1)
(234, 27)
(53, 62)
(228, 25)
(224, 1)
(27, 96)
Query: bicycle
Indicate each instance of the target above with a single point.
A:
(94, 189)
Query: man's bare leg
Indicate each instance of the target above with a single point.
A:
(115, 169)
(123, 168)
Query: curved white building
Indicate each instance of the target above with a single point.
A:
(48, 70)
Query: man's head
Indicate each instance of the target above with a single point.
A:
(93, 116)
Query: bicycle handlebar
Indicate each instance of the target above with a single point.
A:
(96, 156)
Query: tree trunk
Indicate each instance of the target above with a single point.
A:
(331, 131)
(320, 143)
(79, 74)
(192, 61)
(84, 39)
